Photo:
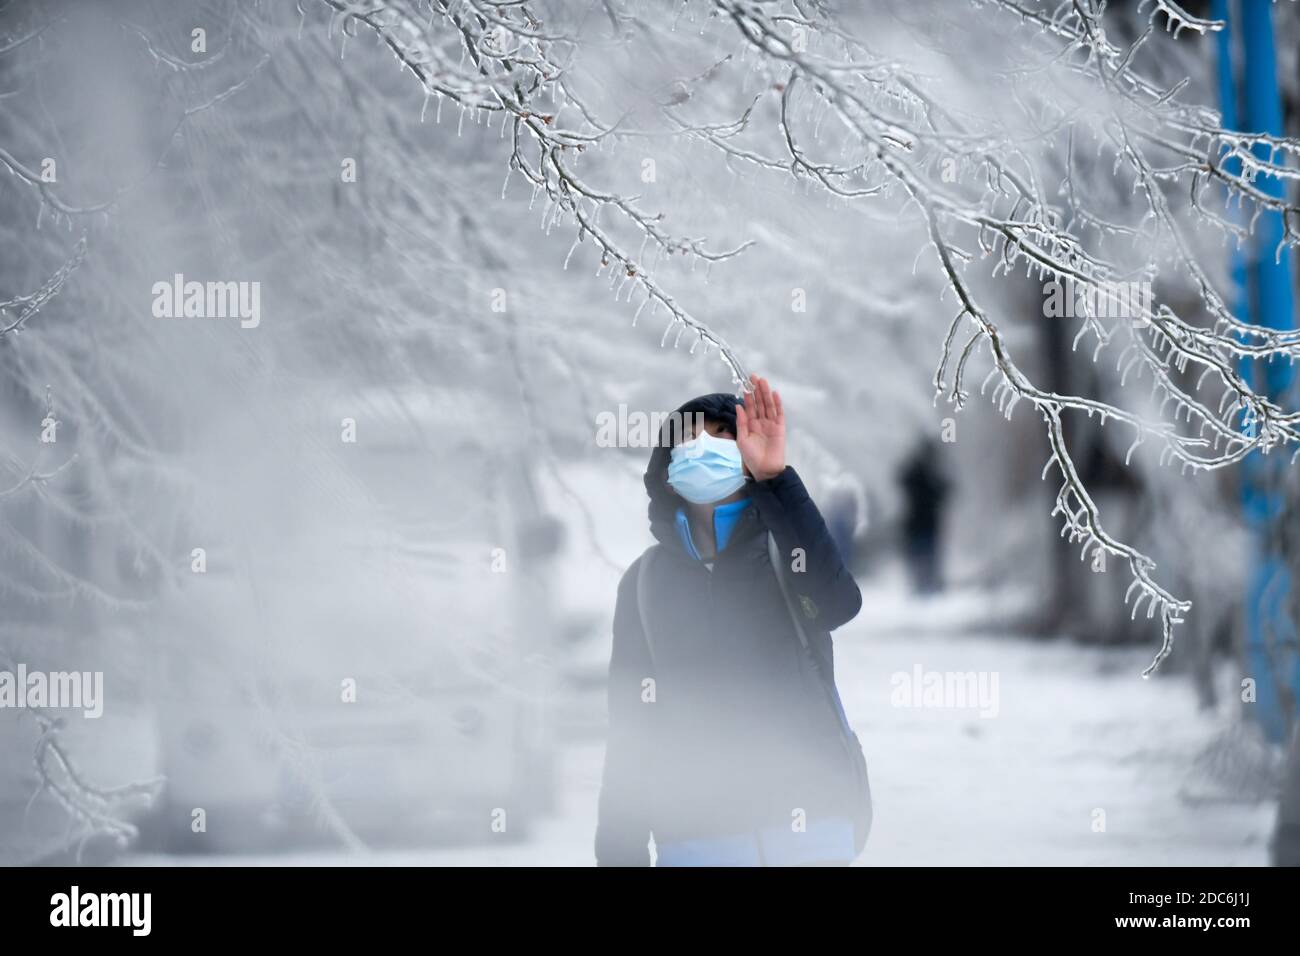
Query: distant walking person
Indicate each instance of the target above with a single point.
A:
(727, 741)
(924, 489)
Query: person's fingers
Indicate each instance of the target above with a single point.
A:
(742, 422)
(756, 411)
(780, 411)
(769, 410)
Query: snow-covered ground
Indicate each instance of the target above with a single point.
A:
(1077, 733)
(1075, 739)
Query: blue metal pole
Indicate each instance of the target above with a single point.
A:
(1267, 296)
(1238, 298)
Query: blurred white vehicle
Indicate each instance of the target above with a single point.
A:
(387, 677)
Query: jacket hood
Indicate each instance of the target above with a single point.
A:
(664, 502)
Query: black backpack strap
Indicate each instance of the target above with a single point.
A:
(778, 566)
(863, 813)
(832, 692)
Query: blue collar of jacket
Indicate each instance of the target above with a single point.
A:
(724, 522)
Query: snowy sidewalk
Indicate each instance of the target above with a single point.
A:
(1076, 731)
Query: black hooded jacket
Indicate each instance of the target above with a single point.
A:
(719, 725)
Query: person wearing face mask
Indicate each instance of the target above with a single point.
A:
(728, 744)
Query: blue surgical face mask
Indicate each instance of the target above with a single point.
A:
(706, 469)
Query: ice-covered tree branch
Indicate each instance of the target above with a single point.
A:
(864, 126)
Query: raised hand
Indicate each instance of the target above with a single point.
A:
(760, 431)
